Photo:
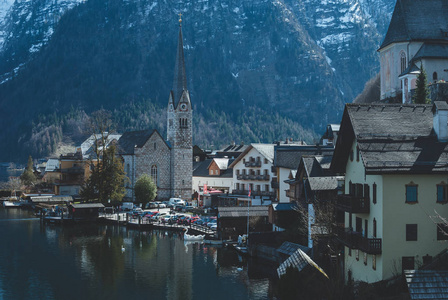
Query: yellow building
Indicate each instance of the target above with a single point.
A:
(395, 161)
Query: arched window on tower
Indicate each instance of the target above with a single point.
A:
(403, 63)
(434, 76)
(154, 173)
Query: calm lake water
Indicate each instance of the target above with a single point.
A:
(87, 262)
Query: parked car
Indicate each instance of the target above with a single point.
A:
(151, 205)
(187, 208)
(160, 204)
(178, 207)
(212, 222)
(150, 214)
(214, 227)
(167, 204)
(199, 221)
(177, 201)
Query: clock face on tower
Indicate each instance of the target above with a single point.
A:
(183, 107)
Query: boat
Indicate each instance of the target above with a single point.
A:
(188, 237)
(12, 202)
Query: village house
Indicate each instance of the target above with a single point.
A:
(286, 160)
(417, 37)
(252, 173)
(395, 161)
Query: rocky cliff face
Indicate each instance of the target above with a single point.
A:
(299, 59)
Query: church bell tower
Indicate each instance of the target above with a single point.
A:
(180, 127)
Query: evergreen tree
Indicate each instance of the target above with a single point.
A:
(107, 179)
(145, 189)
(28, 178)
(421, 95)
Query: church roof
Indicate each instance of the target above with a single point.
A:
(180, 77)
(430, 50)
(418, 20)
(134, 139)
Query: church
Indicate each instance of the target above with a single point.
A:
(417, 37)
(169, 162)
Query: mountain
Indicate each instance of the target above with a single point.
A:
(257, 70)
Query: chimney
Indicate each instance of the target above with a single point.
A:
(440, 120)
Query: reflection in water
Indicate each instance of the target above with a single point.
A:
(87, 262)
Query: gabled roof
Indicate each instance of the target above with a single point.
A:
(392, 138)
(289, 156)
(299, 260)
(418, 20)
(289, 248)
(87, 147)
(326, 183)
(135, 139)
(52, 164)
(222, 163)
(200, 169)
(266, 150)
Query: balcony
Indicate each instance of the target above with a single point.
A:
(72, 170)
(252, 163)
(353, 204)
(242, 177)
(355, 240)
(274, 183)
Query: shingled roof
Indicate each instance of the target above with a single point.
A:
(135, 139)
(418, 20)
(289, 156)
(200, 169)
(391, 138)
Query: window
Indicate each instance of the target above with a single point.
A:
(237, 186)
(442, 232)
(155, 146)
(357, 153)
(374, 193)
(237, 172)
(374, 227)
(266, 161)
(351, 155)
(374, 262)
(210, 172)
(442, 193)
(411, 193)
(402, 61)
(407, 263)
(411, 232)
(266, 187)
(258, 188)
(367, 191)
(154, 173)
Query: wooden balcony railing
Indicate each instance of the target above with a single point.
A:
(353, 204)
(355, 240)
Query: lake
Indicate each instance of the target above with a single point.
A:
(40, 261)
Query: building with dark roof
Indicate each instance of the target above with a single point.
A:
(286, 159)
(417, 37)
(395, 161)
(169, 162)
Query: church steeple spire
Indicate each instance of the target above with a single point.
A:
(180, 77)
